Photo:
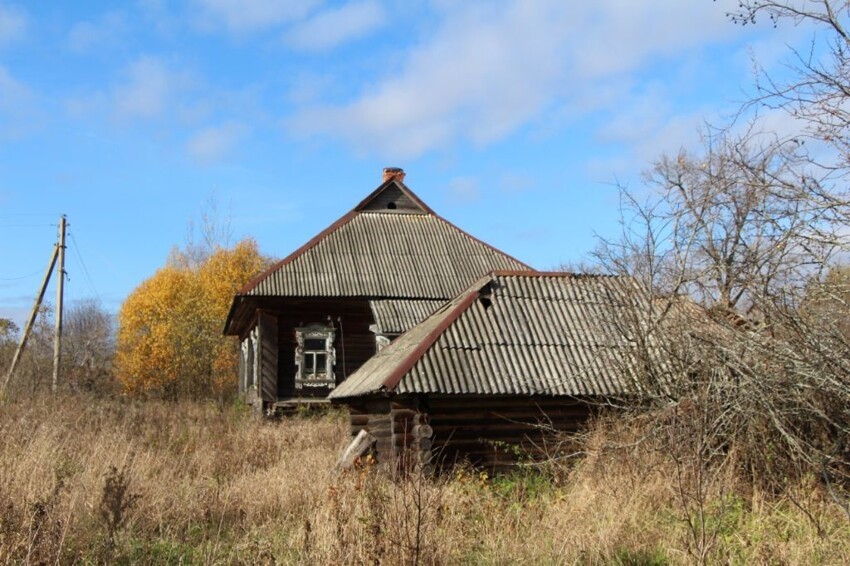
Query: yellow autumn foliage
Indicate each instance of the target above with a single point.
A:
(170, 340)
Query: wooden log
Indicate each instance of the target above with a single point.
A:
(423, 431)
(442, 430)
(407, 414)
(360, 420)
(411, 442)
(468, 416)
(437, 401)
(359, 446)
(402, 444)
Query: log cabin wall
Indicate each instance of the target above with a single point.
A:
(412, 435)
(494, 432)
(373, 416)
(403, 437)
(354, 343)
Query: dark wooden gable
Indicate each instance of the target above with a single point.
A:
(392, 197)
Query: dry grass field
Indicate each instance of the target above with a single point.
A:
(114, 481)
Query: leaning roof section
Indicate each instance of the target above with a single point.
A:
(517, 333)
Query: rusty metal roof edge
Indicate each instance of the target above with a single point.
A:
(251, 285)
(392, 381)
(485, 244)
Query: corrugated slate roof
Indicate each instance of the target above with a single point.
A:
(375, 254)
(395, 316)
(515, 333)
(404, 252)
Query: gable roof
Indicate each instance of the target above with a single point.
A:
(516, 333)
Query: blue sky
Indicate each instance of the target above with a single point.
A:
(512, 119)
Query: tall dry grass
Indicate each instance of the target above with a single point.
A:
(106, 481)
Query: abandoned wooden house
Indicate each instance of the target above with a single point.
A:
(315, 317)
(476, 379)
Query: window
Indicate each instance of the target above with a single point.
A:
(315, 356)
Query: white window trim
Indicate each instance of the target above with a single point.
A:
(249, 360)
(315, 331)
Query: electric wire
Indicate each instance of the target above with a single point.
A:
(79, 255)
(26, 225)
(33, 274)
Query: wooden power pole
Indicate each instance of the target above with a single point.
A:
(58, 253)
(60, 296)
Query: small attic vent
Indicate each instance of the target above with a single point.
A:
(391, 205)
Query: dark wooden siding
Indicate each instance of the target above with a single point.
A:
(268, 357)
(493, 432)
(354, 342)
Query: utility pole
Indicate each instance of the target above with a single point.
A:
(31, 321)
(60, 295)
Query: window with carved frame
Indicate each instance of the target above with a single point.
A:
(315, 356)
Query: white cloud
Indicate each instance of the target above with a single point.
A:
(335, 26)
(515, 183)
(87, 35)
(13, 23)
(19, 113)
(488, 69)
(12, 91)
(211, 144)
(242, 16)
(464, 190)
(147, 90)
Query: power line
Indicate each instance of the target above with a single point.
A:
(26, 225)
(26, 214)
(83, 265)
(33, 274)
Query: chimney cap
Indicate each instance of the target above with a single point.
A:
(393, 173)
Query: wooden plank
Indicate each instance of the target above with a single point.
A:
(358, 447)
(268, 357)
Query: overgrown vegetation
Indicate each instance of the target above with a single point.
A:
(92, 480)
(170, 339)
(739, 451)
(739, 320)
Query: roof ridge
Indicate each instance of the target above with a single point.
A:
(485, 244)
(383, 187)
(536, 273)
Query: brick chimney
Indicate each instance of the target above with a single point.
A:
(396, 173)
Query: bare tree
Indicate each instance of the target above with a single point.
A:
(818, 87)
(216, 232)
(739, 329)
(745, 219)
(89, 346)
